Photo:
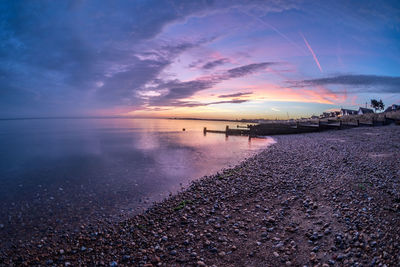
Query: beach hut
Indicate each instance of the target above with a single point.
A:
(345, 112)
(362, 111)
(393, 107)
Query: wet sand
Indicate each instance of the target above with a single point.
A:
(325, 199)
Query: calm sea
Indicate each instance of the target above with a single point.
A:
(57, 174)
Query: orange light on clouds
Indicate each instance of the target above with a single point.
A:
(257, 97)
(273, 92)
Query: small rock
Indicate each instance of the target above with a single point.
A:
(214, 250)
(126, 258)
(313, 256)
(314, 236)
(340, 257)
(264, 234)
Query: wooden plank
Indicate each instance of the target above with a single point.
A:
(215, 131)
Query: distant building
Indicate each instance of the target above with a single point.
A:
(329, 114)
(345, 112)
(364, 111)
(393, 107)
(325, 115)
(314, 117)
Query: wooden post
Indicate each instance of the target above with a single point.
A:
(358, 123)
(340, 124)
(226, 129)
(205, 130)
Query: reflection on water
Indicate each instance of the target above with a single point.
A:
(64, 172)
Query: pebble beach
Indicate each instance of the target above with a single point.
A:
(318, 199)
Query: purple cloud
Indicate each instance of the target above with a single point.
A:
(178, 90)
(369, 83)
(235, 95)
(198, 104)
(215, 63)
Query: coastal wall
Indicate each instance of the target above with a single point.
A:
(372, 116)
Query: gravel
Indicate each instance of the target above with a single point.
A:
(326, 199)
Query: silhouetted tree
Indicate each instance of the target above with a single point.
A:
(377, 105)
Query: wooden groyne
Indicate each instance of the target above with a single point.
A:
(282, 128)
(229, 131)
(275, 128)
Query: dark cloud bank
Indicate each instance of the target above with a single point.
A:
(360, 83)
(60, 57)
(74, 57)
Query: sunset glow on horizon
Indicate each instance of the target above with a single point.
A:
(205, 59)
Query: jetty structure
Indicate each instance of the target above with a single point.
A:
(303, 126)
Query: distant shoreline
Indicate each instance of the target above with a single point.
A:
(124, 117)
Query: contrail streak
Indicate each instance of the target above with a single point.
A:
(312, 52)
(274, 29)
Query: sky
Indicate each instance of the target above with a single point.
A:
(204, 59)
